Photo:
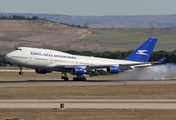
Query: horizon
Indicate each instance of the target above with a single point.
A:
(84, 15)
(90, 8)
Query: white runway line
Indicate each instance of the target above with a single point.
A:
(90, 104)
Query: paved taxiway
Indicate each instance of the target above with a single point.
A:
(90, 104)
(22, 83)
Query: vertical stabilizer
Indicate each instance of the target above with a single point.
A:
(143, 53)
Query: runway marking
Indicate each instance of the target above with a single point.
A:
(90, 104)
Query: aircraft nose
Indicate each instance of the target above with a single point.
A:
(7, 57)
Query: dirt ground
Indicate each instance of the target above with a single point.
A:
(165, 91)
(88, 114)
(37, 33)
(91, 92)
(29, 74)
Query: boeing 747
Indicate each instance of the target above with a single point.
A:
(45, 61)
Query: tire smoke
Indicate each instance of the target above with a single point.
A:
(161, 72)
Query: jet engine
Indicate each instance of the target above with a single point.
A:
(40, 71)
(113, 69)
(77, 71)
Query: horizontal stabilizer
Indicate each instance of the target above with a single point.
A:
(161, 60)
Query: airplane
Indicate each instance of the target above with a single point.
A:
(46, 60)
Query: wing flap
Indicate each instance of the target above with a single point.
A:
(98, 72)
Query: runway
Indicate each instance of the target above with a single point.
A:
(22, 83)
(90, 104)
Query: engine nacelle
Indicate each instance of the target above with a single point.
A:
(40, 71)
(77, 71)
(113, 69)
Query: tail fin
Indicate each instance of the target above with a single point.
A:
(142, 54)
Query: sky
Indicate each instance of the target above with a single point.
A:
(90, 7)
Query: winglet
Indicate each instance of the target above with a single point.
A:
(142, 54)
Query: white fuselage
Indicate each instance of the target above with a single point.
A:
(37, 58)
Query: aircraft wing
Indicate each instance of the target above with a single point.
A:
(102, 69)
(121, 66)
(67, 66)
(102, 66)
(95, 70)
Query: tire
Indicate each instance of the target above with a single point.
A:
(62, 77)
(20, 73)
(79, 79)
(66, 79)
(75, 79)
(83, 79)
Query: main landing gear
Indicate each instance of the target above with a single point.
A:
(21, 73)
(79, 78)
(65, 77)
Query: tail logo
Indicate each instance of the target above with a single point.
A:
(141, 52)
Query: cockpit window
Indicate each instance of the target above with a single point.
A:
(18, 49)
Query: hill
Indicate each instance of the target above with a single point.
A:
(52, 35)
(37, 33)
(126, 39)
(129, 21)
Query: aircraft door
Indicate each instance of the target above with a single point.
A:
(51, 61)
(30, 60)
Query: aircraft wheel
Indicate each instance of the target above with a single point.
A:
(66, 79)
(79, 79)
(75, 79)
(83, 79)
(62, 77)
(20, 73)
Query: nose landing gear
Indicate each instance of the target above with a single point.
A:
(21, 73)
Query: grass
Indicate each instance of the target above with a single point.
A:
(87, 114)
(80, 92)
(165, 42)
(91, 92)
